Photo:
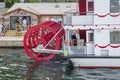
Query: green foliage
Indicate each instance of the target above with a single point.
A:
(9, 3)
(49, 0)
(32, 1)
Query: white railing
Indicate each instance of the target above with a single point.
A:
(81, 48)
(73, 17)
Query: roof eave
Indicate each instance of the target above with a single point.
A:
(20, 9)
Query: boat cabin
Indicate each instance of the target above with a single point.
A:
(92, 35)
(96, 27)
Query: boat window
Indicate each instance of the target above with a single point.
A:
(104, 52)
(115, 37)
(114, 6)
(90, 37)
(68, 19)
(90, 7)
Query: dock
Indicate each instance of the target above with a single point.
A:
(11, 41)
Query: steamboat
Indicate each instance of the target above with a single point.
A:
(89, 37)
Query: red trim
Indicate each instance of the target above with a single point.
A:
(100, 15)
(92, 25)
(116, 46)
(112, 15)
(105, 46)
(101, 46)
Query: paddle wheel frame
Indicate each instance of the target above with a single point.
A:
(47, 35)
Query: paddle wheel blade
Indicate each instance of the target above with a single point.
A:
(48, 35)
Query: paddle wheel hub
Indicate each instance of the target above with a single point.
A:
(48, 35)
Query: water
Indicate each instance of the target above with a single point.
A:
(15, 65)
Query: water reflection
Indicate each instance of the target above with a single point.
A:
(44, 70)
(30, 70)
(15, 65)
(12, 70)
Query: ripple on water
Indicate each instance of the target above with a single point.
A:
(95, 74)
(3, 67)
(108, 79)
(112, 72)
(18, 68)
(14, 65)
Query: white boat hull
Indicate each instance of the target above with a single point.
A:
(96, 62)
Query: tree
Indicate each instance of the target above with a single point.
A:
(32, 1)
(9, 3)
(1, 0)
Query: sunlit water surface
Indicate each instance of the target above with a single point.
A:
(15, 65)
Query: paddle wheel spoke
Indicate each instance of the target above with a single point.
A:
(46, 34)
(52, 45)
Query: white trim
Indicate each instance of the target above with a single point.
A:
(99, 27)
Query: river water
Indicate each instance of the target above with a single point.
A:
(15, 65)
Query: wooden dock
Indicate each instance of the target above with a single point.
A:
(11, 41)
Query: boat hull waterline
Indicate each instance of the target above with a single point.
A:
(96, 62)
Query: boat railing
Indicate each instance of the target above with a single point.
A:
(77, 49)
(75, 12)
(81, 48)
(69, 16)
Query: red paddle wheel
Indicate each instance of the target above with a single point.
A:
(48, 34)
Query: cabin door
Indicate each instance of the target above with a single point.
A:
(82, 7)
(90, 42)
